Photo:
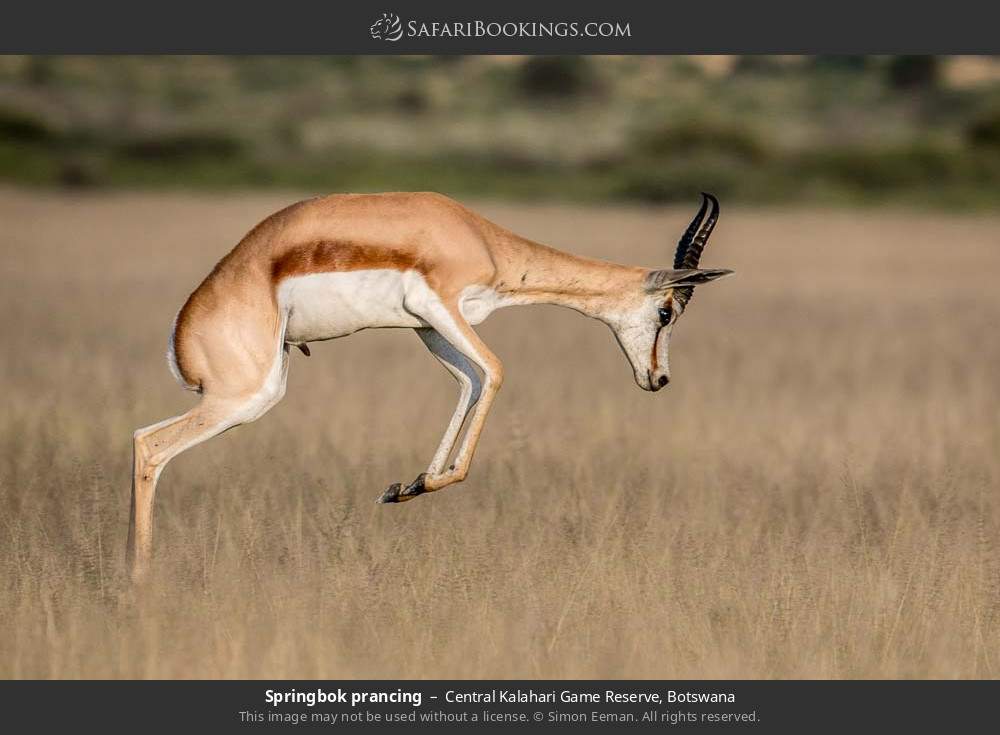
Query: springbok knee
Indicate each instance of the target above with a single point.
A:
(148, 449)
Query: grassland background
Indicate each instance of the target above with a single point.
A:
(859, 130)
(815, 495)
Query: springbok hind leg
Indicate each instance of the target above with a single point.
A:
(156, 445)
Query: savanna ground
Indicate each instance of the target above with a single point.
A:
(815, 495)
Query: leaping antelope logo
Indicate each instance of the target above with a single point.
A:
(387, 28)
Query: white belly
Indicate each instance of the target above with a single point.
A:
(328, 305)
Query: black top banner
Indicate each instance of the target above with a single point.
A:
(452, 27)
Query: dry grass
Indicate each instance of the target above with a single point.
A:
(816, 494)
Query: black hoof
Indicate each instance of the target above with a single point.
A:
(391, 495)
(416, 487)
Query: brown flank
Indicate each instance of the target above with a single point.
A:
(330, 256)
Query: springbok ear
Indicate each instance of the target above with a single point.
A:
(662, 280)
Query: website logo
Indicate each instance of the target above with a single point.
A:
(387, 28)
(390, 28)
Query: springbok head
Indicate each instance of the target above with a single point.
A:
(643, 331)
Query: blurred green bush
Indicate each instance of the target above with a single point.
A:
(555, 76)
(651, 129)
(179, 147)
(17, 126)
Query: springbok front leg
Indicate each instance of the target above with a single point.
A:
(455, 343)
(471, 388)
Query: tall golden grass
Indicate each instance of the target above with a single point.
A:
(815, 495)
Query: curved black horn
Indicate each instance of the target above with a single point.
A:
(692, 230)
(692, 253)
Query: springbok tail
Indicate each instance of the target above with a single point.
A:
(175, 369)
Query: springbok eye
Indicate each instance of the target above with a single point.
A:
(665, 315)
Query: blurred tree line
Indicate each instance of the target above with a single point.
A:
(757, 128)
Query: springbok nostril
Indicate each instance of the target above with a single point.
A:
(663, 380)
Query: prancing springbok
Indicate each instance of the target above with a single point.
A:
(328, 267)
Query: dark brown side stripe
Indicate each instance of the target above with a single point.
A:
(333, 256)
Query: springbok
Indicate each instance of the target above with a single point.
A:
(327, 267)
